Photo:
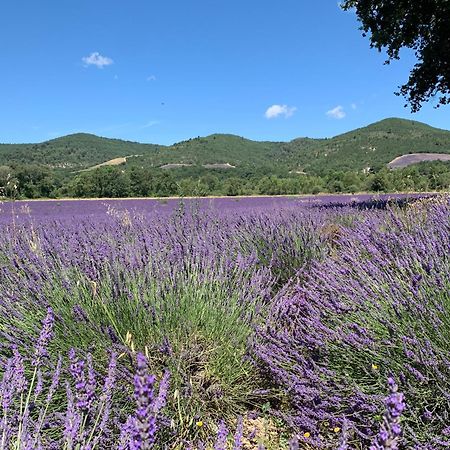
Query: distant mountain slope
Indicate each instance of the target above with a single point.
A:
(372, 146)
(217, 149)
(378, 144)
(75, 151)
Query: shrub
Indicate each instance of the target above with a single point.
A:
(379, 306)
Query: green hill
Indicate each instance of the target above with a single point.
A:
(376, 145)
(373, 146)
(76, 151)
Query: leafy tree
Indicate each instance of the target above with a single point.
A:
(188, 187)
(381, 182)
(8, 183)
(269, 186)
(102, 182)
(141, 182)
(33, 181)
(424, 27)
(211, 181)
(164, 185)
(233, 186)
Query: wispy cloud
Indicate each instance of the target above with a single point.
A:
(151, 123)
(95, 59)
(275, 111)
(337, 112)
(151, 78)
(354, 106)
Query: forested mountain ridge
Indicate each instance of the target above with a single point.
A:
(373, 146)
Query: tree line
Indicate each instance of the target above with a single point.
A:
(31, 181)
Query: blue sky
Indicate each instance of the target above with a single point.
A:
(162, 71)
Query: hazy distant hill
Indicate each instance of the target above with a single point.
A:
(372, 146)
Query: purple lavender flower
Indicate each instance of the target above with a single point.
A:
(126, 434)
(7, 385)
(72, 420)
(293, 444)
(55, 380)
(390, 431)
(145, 422)
(39, 384)
(343, 442)
(77, 371)
(105, 397)
(20, 381)
(252, 434)
(237, 445)
(41, 351)
(91, 383)
(221, 440)
(160, 401)
(165, 347)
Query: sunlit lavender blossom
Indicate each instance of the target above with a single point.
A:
(45, 336)
(237, 444)
(221, 440)
(91, 383)
(55, 380)
(145, 421)
(390, 431)
(20, 381)
(160, 401)
(77, 371)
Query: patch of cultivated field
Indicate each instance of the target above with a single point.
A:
(225, 324)
(414, 158)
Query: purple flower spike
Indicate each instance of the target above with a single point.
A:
(78, 373)
(126, 434)
(222, 434)
(343, 444)
(160, 401)
(91, 383)
(293, 444)
(55, 380)
(40, 351)
(7, 385)
(237, 445)
(19, 371)
(390, 431)
(145, 421)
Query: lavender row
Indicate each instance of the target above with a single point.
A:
(306, 309)
(377, 307)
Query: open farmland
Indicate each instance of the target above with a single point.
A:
(276, 323)
(414, 158)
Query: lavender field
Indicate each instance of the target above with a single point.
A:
(239, 323)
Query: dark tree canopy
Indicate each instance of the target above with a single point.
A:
(422, 25)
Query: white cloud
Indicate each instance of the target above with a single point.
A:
(354, 106)
(337, 113)
(280, 110)
(151, 123)
(95, 59)
(151, 78)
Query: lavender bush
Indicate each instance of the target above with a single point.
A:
(379, 305)
(308, 310)
(186, 289)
